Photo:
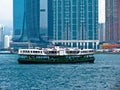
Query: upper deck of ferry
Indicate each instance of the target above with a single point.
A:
(55, 51)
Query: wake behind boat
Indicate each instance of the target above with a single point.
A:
(55, 55)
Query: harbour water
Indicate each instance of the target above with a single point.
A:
(104, 74)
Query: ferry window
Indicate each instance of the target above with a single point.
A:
(55, 51)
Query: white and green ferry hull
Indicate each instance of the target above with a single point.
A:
(56, 59)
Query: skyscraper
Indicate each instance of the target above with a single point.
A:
(43, 19)
(26, 14)
(112, 21)
(101, 30)
(73, 19)
(18, 14)
(31, 21)
(1, 35)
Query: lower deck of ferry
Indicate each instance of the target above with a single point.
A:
(34, 59)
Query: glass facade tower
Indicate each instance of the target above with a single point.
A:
(26, 16)
(18, 13)
(31, 23)
(73, 19)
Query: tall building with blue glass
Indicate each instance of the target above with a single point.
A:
(73, 19)
(18, 13)
(26, 16)
(26, 20)
(31, 21)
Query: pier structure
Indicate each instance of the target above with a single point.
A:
(85, 44)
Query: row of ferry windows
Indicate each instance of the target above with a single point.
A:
(31, 51)
(55, 51)
(86, 51)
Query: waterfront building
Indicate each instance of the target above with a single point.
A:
(73, 20)
(101, 32)
(18, 14)
(1, 35)
(112, 21)
(43, 20)
(31, 21)
(28, 20)
(6, 41)
(26, 15)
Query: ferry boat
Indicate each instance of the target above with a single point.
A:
(55, 55)
(5, 51)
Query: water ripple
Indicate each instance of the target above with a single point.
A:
(104, 74)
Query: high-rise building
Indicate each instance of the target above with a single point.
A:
(101, 30)
(112, 21)
(1, 35)
(26, 18)
(18, 14)
(73, 19)
(43, 19)
(31, 21)
(6, 41)
(26, 15)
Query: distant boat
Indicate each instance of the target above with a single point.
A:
(5, 52)
(55, 55)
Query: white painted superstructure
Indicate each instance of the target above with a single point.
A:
(55, 51)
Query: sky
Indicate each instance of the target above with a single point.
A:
(6, 12)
